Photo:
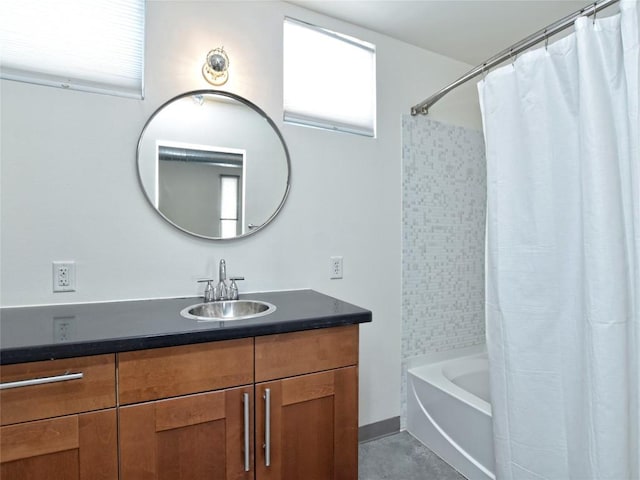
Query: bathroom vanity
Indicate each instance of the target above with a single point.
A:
(132, 390)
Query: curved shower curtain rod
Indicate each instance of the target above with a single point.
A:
(511, 52)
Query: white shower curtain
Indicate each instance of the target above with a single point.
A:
(563, 245)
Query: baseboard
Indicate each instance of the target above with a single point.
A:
(366, 433)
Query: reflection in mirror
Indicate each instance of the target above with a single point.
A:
(201, 174)
(213, 165)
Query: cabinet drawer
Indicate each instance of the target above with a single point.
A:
(297, 353)
(56, 390)
(168, 372)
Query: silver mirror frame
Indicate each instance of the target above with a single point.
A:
(252, 229)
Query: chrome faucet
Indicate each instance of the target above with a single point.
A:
(221, 292)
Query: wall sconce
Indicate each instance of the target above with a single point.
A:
(216, 67)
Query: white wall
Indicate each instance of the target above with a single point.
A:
(70, 191)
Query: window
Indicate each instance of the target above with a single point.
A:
(228, 206)
(95, 45)
(329, 79)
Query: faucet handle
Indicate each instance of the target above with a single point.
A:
(208, 289)
(233, 288)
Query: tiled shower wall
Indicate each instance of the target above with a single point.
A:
(443, 214)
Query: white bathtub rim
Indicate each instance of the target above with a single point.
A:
(434, 375)
(437, 357)
(452, 442)
(464, 366)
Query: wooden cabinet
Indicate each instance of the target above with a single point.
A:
(277, 407)
(59, 420)
(298, 353)
(74, 447)
(312, 428)
(307, 415)
(56, 387)
(169, 372)
(207, 435)
(205, 430)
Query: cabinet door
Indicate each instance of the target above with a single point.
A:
(307, 427)
(74, 447)
(191, 437)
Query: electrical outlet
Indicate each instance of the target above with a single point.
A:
(63, 329)
(64, 276)
(335, 264)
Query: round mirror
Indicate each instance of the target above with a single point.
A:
(214, 165)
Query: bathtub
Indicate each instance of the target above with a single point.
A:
(449, 409)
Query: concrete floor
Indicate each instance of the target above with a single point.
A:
(402, 457)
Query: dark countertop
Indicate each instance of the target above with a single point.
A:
(29, 334)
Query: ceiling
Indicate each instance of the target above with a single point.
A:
(467, 30)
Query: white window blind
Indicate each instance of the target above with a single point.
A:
(91, 45)
(329, 79)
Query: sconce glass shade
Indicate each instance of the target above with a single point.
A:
(216, 67)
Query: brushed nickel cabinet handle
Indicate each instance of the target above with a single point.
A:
(245, 400)
(40, 381)
(267, 427)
